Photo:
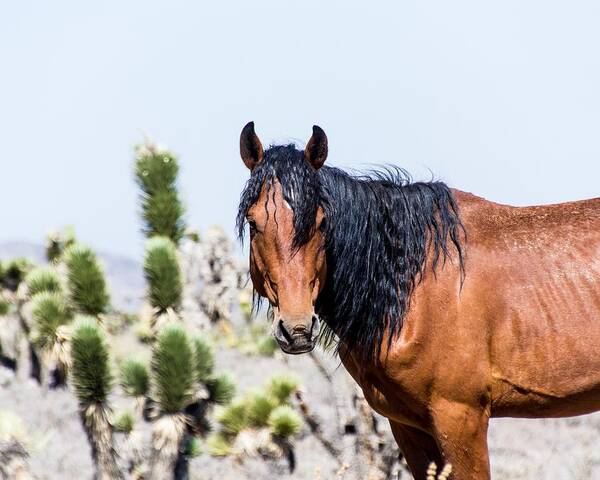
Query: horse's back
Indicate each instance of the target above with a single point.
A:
(535, 272)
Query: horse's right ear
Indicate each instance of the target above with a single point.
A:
(251, 149)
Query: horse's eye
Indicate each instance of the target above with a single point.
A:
(252, 225)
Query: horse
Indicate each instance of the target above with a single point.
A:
(447, 309)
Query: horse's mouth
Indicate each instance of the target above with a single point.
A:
(298, 349)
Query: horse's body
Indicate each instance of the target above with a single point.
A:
(521, 338)
(512, 331)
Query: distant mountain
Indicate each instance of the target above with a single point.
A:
(124, 275)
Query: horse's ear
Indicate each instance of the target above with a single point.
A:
(315, 152)
(251, 149)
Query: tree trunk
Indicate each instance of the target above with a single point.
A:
(99, 432)
(168, 437)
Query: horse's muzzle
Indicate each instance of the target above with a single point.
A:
(301, 338)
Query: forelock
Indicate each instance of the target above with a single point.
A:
(299, 184)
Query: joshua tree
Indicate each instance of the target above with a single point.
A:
(261, 423)
(173, 374)
(85, 278)
(156, 171)
(92, 381)
(219, 275)
(178, 392)
(192, 260)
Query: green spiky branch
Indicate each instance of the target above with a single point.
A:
(43, 279)
(163, 274)
(179, 389)
(156, 173)
(262, 422)
(57, 242)
(92, 381)
(86, 283)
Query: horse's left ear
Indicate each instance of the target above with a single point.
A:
(315, 152)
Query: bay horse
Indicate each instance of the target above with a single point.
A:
(447, 309)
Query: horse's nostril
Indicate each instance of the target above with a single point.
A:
(299, 329)
(284, 333)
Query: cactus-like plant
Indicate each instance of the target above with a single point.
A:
(203, 359)
(221, 389)
(124, 422)
(135, 379)
(218, 444)
(282, 386)
(259, 407)
(92, 381)
(43, 279)
(161, 268)
(156, 173)
(284, 421)
(57, 242)
(14, 272)
(50, 312)
(234, 417)
(173, 369)
(87, 285)
(173, 376)
(261, 422)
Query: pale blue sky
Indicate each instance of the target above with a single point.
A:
(498, 98)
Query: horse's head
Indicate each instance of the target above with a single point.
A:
(287, 257)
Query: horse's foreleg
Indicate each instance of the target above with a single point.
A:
(419, 448)
(461, 432)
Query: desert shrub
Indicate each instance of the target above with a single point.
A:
(91, 374)
(135, 379)
(282, 386)
(87, 285)
(218, 444)
(284, 421)
(173, 369)
(162, 272)
(234, 417)
(43, 279)
(259, 406)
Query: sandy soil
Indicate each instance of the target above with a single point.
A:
(559, 449)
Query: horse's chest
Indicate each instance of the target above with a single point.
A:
(385, 395)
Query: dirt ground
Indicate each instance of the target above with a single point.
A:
(558, 449)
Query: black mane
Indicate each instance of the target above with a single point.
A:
(378, 231)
